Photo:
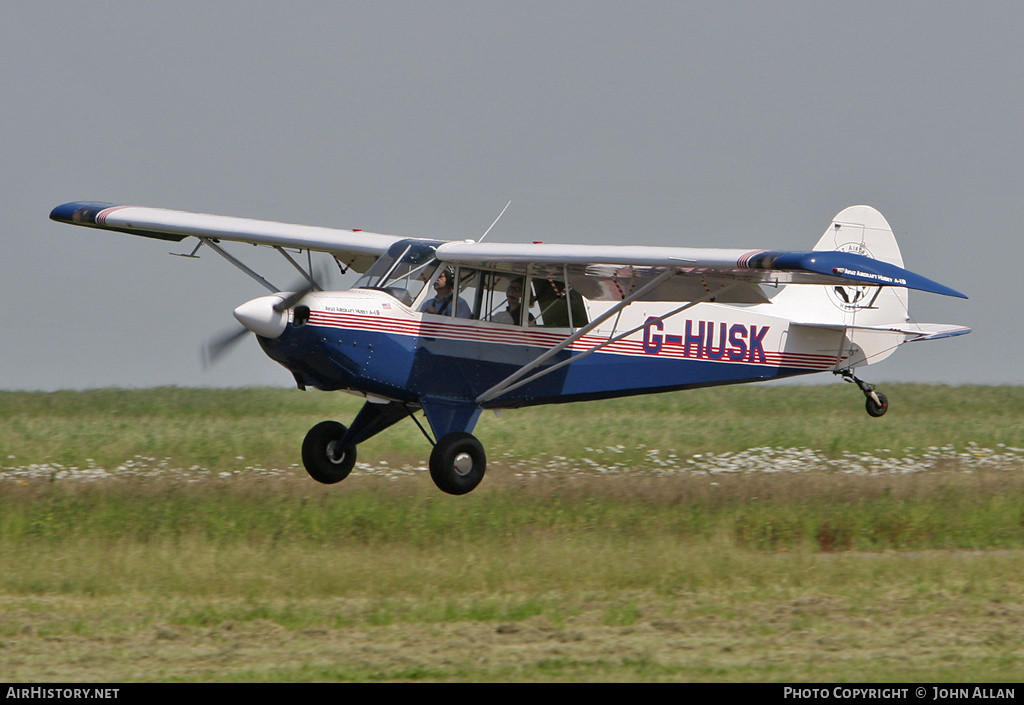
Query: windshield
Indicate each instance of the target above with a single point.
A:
(403, 271)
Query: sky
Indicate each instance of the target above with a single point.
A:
(704, 124)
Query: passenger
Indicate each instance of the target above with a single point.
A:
(441, 304)
(513, 313)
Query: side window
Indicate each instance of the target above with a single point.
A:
(467, 305)
(507, 300)
(501, 297)
(479, 293)
(427, 291)
(439, 297)
(446, 295)
(494, 296)
(555, 305)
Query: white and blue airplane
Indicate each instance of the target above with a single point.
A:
(455, 327)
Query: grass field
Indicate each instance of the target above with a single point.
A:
(748, 534)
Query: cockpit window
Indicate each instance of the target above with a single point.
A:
(403, 271)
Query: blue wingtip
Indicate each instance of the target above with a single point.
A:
(866, 269)
(862, 269)
(78, 212)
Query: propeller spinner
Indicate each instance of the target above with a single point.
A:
(266, 316)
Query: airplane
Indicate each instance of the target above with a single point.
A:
(452, 328)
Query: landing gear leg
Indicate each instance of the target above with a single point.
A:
(457, 463)
(329, 449)
(876, 403)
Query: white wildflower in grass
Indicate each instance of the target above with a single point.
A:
(652, 461)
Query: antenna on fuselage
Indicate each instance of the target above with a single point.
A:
(495, 221)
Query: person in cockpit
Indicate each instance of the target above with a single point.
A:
(441, 303)
(513, 313)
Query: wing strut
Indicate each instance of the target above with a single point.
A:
(510, 384)
(230, 258)
(504, 384)
(306, 275)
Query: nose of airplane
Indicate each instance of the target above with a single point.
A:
(262, 317)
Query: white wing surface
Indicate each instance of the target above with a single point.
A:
(354, 248)
(737, 274)
(598, 272)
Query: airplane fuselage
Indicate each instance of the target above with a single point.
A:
(369, 342)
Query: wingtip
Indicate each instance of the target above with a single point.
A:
(864, 269)
(78, 212)
(936, 288)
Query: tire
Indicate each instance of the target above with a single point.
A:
(320, 453)
(874, 409)
(457, 463)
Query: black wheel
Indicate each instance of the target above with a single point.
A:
(322, 455)
(878, 409)
(457, 463)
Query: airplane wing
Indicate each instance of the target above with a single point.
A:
(608, 273)
(353, 248)
(611, 272)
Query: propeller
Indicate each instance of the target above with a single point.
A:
(292, 298)
(219, 346)
(251, 312)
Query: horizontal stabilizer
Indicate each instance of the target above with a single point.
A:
(911, 331)
(936, 331)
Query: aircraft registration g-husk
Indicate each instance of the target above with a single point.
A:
(455, 327)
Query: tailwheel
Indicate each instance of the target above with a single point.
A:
(457, 463)
(325, 460)
(875, 403)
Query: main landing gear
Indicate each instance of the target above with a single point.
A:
(326, 460)
(457, 462)
(875, 403)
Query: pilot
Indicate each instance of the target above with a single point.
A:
(442, 302)
(513, 312)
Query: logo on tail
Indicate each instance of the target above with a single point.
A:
(844, 296)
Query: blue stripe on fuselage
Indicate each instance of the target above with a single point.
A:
(411, 367)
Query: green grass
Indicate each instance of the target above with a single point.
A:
(578, 558)
(821, 511)
(214, 428)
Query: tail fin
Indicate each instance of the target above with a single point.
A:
(864, 231)
(874, 318)
(861, 230)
